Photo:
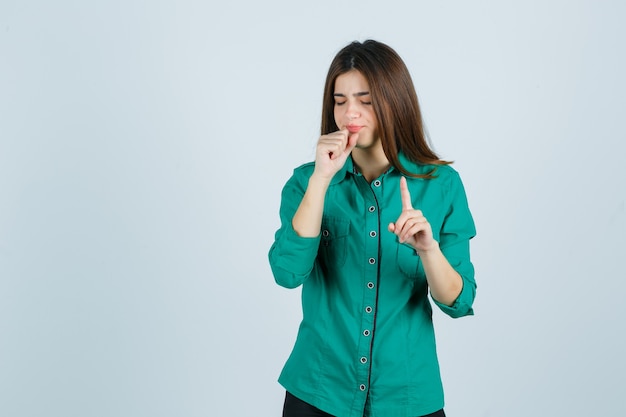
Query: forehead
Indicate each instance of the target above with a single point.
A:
(351, 81)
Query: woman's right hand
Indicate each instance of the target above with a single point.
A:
(330, 156)
(332, 152)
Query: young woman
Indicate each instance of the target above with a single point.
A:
(367, 229)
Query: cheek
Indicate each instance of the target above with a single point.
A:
(373, 121)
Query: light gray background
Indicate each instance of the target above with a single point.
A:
(143, 147)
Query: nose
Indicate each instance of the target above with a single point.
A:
(352, 112)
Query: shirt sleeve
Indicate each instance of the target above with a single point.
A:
(292, 257)
(457, 230)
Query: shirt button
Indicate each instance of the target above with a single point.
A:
(366, 333)
(372, 261)
(373, 233)
(362, 387)
(325, 233)
(370, 285)
(372, 209)
(368, 309)
(377, 183)
(363, 359)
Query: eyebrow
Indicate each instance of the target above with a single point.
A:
(359, 94)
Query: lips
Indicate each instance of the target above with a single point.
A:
(354, 128)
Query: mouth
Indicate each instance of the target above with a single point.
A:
(354, 128)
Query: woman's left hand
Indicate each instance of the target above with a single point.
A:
(412, 227)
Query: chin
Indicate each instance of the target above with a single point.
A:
(366, 143)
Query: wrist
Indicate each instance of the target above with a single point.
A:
(320, 180)
(432, 250)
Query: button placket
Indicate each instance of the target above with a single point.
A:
(371, 233)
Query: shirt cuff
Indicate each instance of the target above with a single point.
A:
(462, 306)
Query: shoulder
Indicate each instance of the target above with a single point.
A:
(304, 170)
(449, 181)
(447, 175)
(445, 187)
(300, 177)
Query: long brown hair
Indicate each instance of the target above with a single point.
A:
(394, 101)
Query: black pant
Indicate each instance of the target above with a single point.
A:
(295, 407)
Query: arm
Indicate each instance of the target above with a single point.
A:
(307, 221)
(292, 256)
(449, 272)
(331, 154)
(413, 228)
(444, 282)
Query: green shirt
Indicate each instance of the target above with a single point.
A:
(366, 342)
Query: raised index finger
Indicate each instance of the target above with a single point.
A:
(406, 196)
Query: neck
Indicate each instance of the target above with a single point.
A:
(370, 162)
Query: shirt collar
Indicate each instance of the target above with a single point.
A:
(349, 168)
